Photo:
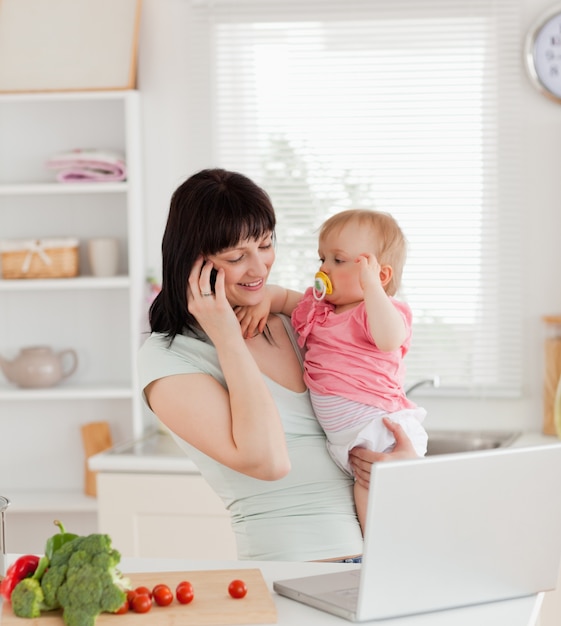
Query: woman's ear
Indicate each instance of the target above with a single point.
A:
(386, 274)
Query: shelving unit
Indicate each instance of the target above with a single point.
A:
(42, 463)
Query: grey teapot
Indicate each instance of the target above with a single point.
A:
(39, 366)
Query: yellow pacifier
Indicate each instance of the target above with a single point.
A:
(322, 286)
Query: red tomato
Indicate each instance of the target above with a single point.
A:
(162, 595)
(130, 595)
(237, 589)
(184, 592)
(141, 603)
(124, 608)
(143, 590)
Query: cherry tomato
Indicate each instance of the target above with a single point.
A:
(130, 595)
(124, 608)
(143, 590)
(237, 589)
(184, 592)
(162, 595)
(141, 603)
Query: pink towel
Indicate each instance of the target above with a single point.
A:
(88, 166)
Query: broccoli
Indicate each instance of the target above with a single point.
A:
(84, 580)
(51, 581)
(27, 598)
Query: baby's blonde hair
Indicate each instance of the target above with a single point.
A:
(388, 241)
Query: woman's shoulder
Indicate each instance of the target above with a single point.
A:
(161, 356)
(161, 342)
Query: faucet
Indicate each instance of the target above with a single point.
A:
(434, 382)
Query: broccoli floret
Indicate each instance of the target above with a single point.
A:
(84, 580)
(50, 582)
(81, 595)
(27, 598)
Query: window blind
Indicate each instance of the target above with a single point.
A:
(405, 106)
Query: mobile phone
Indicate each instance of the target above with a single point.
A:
(213, 274)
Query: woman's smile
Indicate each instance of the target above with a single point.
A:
(253, 285)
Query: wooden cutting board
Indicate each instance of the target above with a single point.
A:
(212, 605)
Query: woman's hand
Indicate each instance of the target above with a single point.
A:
(361, 459)
(210, 307)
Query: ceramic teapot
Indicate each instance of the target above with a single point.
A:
(39, 366)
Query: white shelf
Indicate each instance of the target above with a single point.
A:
(47, 500)
(80, 282)
(55, 188)
(65, 96)
(100, 318)
(67, 392)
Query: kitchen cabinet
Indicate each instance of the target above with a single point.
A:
(550, 614)
(42, 463)
(164, 516)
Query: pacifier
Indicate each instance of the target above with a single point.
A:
(322, 286)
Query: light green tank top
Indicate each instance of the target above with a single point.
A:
(307, 515)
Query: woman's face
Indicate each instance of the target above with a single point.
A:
(246, 268)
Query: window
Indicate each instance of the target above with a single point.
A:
(406, 106)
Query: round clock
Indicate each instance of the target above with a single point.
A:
(543, 53)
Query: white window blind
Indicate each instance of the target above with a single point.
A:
(406, 106)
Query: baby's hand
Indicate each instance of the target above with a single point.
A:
(253, 319)
(369, 270)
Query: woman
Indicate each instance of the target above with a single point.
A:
(238, 406)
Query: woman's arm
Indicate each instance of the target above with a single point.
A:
(239, 427)
(361, 459)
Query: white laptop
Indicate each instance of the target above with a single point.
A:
(448, 531)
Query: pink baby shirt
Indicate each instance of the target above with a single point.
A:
(343, 360)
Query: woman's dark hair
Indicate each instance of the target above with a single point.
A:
(212, 210)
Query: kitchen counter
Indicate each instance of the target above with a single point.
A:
(157, 452)
(518, 612)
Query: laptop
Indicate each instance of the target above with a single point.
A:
(448, 531)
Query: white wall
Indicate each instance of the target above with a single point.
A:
(171, 121)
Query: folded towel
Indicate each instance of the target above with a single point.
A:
(88, 165)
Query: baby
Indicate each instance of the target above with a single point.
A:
(356, 335)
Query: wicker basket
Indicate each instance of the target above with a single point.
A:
(39, 258)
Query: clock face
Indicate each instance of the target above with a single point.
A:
(543, 55)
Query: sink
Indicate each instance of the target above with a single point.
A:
(450, 441)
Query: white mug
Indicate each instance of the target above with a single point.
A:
(103, 254)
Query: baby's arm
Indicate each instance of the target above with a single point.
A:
(276, 300)
(384, 320)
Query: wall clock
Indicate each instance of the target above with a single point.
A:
(543, 53)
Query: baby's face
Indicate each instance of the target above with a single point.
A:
(339, 251)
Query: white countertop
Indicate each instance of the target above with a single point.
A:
(157, 452)
(518, 612)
